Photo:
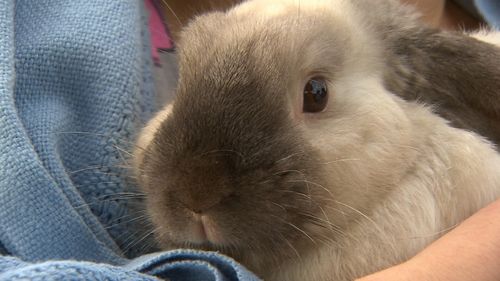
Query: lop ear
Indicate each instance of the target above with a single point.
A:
(456, 73)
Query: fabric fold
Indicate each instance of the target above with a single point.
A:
(73, 80)
(179, 265)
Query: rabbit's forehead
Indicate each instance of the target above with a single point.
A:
(284, 44)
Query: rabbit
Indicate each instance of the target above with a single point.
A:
(321, 139)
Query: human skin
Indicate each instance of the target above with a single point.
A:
(471, 251)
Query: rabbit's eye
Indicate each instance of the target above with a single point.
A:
(315, 95)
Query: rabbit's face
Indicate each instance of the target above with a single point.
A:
(281, 129)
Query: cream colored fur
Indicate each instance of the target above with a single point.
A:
(147, 135)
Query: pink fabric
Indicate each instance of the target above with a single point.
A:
(160, 38)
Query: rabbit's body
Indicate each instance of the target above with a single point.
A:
(449, 175)
(236, 165)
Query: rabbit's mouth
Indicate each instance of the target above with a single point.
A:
(204, 231)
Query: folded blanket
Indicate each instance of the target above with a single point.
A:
(75, 87)
(174, 265)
